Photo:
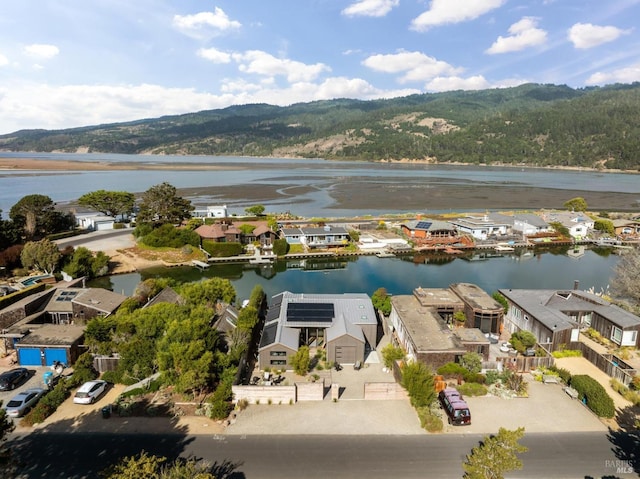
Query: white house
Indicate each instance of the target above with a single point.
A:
(529, 224)
(578, 224)
(94, 221)
(481, 227)
(211, 212)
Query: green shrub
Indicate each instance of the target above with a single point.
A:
(472, 362)
(451, 370)
(391, 354)
(630, 395)
(301, 361)
(222, 250)
(39, 413)
(472, 389)
(48, 404)
(418, 380)
(83, 371)
(114, 377)
(133, 392)
(595, 395)
(522, 340)
(168, 236)
(220, 402)
(474, 377)
(280, 247)
(492, 377)
(567, 353)
(428, 420)
(564, 374)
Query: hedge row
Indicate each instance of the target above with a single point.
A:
(12, 298)
(595, 395)
(222, 250)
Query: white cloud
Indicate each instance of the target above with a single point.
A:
(42, 51)
(4, 61)
(477, 82)
(52, 107)
(586, 35)
(628, 74)
(203, 24)
(453, 11)
(214, 55)
(262, 63)
(523, 34)
(416, 65)
(370, 8)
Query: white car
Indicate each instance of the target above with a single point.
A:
(89, 391)
(22, 402)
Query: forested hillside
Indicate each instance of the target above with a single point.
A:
(530, 124)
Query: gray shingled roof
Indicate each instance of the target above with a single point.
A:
(547, 306)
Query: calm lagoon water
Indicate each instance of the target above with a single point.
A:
(549, 269)
(320, 174)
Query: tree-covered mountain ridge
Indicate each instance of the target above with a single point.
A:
(531, 124)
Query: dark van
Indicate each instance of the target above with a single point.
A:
(455, 407)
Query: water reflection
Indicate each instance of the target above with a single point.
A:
(550, 268)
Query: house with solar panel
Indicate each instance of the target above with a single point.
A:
(344, 325)
(428, 229)
(49, 326)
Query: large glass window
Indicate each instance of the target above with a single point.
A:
(616, 335)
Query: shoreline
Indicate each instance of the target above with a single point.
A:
(31, 164)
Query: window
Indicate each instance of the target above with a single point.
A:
(278, 362)
(278, 353)
(616, 335)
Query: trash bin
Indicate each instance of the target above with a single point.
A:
(106, 412)
(48, 378)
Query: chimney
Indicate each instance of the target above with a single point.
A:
(576, 285)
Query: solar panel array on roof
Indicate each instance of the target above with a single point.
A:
(273, 313)
(269, 335)
(310, 312)
(67, 295)
(424, 225)
(277, 301)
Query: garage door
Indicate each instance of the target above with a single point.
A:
(29, 357)
(346, 354)
(51, 355)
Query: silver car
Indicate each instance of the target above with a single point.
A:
(22, 402)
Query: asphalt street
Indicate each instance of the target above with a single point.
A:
(568, 455)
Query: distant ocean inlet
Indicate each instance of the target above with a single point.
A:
(321, 188)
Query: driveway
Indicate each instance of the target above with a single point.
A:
(547, 409)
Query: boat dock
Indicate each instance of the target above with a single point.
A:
(200, 264)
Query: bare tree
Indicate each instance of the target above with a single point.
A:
(625, 283)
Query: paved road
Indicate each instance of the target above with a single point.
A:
(58, 455)
(100, 240)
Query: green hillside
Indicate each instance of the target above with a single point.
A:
(530, 124)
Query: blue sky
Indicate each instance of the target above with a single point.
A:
(68, 63)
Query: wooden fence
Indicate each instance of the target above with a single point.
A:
(607, 363)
